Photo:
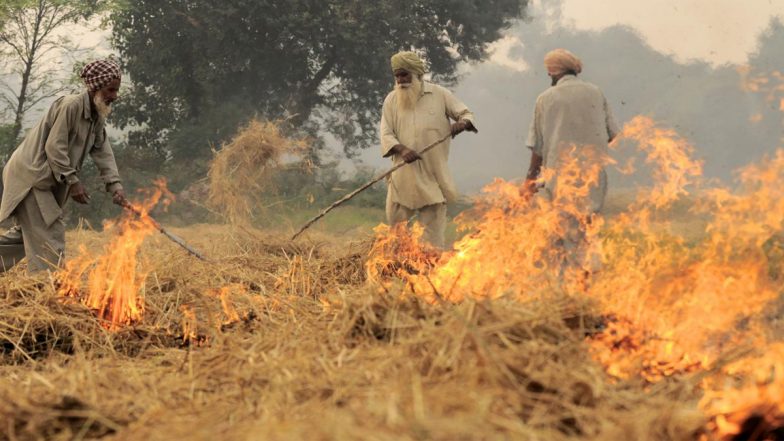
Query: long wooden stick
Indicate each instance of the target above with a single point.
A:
(171, 236)
(363, 188)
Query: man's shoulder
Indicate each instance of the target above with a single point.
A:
(436, 88)
(74, 99)
(565, 90)
(390, 96)
(579, 83)
(550, 91)
(69, 103)
(591, 86)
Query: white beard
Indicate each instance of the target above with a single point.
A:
(101, 107)
(408, 94)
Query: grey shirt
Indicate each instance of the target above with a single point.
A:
(49, 159)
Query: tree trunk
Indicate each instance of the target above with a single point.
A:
(28, 70)
(20, 111)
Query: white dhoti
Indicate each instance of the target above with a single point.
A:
(432, 217)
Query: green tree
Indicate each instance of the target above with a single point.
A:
(200, 68)
(28, 39)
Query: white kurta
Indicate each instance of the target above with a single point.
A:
(428, 181)
(569, 117)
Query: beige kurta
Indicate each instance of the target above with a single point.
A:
(49, 159)
(428, 181)
(572, 114)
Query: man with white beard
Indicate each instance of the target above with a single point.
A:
(414, 115)
(44, 170)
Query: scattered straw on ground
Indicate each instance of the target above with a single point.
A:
(280, 340)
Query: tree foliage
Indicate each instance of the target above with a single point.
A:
(200, 68)
(28, 40)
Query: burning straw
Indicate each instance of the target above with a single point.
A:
(485, 342)
(670, 306)
(112, 282)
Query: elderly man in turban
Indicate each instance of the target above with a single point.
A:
(414, 115)
(44, 170)
(569, 136)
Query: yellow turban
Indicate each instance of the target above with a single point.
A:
(563, 61)
(408, 61)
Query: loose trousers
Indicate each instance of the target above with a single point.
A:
(432, 217)
(43, 245)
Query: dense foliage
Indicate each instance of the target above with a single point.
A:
(202, 68)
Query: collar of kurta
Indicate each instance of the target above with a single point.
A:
(88, 109)
(566, 79)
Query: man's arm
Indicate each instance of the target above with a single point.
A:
(535, 142)
(458, 111)
(388, 137)
(390, 145)
(61, 115)
(103, 156)
(612, 126)
(533, 173)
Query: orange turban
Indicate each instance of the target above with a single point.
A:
(561, 60)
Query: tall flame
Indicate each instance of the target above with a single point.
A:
(672, 304)
(112, 283)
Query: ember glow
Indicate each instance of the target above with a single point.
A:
(112, 283)
(671, 304)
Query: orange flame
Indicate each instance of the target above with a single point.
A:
(225, 294)
(511, 249)
(112, 283)
(751, 387)
(670, 305)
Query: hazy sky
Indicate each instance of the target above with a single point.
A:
(716, 31)
(719, 31)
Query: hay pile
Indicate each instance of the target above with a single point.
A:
(242, 170)
(280, 340)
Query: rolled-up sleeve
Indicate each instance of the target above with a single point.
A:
(103, 156)
(388, 137)
(535, 141)
(56, 146)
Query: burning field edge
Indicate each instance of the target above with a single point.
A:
(311, 350)
(541, 323)
(328, 356)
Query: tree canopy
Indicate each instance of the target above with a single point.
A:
(200, 68)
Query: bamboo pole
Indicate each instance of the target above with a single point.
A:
(171, 236)
(363, 188)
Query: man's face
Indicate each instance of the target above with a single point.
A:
(110, 92)
(403, 77)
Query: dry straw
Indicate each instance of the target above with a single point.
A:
(242, 171)
(309, 349)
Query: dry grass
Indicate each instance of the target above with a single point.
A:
(241, 171)
(298, 345)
